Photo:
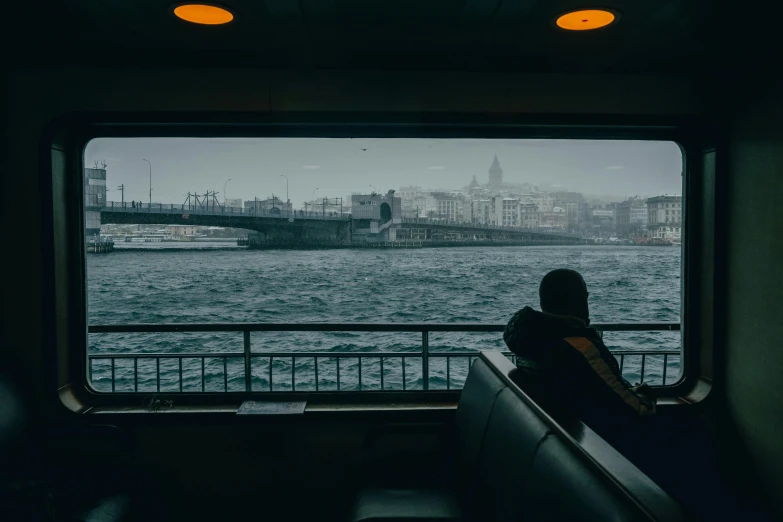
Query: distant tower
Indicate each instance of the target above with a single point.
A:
(495, 174)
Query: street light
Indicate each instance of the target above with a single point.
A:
(224, 191)
(313, 196)
(286, 185)
(150, 164)
(286, 191)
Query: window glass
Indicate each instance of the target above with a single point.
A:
(225, 232)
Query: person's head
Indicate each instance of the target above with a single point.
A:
(564, 292)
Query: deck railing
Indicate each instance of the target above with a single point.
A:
(389, 364)
(219, 210)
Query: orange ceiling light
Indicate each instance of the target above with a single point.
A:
(586, 20)
(203, 14)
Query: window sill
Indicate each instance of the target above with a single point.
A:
(310, 408)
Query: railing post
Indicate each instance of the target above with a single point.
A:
(425, 359)
(641, 378)
(248, 377)
(665, 363)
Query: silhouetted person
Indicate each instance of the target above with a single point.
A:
(562, 358)
(133, 203)
(565, 365)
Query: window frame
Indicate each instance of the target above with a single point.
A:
(62, 150)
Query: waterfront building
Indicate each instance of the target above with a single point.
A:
(181, 230)
(416, 202)
(509, 215)
(408, 193)
(449, 206)
(268, 205)
(544, 202)
(557, 219)
(603, 218)
(233, 203)
(94, 200)
(373, 216)
(529, 216)
(631, 216)
(481, 211)
(577, 214)
(664, 217)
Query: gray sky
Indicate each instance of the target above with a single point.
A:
(338, 167)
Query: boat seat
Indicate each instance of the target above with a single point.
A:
(107, 509)
(518, 464)
(477, 399)
(393, 505)
(513, 436)
(42, 476)
(562, 487)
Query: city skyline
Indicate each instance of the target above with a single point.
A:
(338, 167)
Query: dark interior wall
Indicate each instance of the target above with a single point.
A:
(324, 444)
(754, 354)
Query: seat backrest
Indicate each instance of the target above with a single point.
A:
(513, 435)
(562, 487)
(476, 401)
(574, 474)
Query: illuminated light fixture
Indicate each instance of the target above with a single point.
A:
(203, 14)
(586, 19)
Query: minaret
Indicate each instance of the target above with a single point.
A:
(495, 174)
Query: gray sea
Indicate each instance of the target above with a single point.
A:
(156, 283)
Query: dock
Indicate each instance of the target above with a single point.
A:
(101, 245)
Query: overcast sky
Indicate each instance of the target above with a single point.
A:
(338, 167)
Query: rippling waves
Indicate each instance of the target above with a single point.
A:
(450, 285)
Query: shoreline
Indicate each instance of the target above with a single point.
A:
(206, 247)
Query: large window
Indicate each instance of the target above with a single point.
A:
(304, 264)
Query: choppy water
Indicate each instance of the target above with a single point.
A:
(217, 283)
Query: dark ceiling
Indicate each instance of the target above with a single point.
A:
(652, 36)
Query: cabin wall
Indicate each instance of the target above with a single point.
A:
(754, 353)
(215, 457)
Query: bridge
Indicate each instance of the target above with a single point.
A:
(318, 226)
(437, 229)
(274, 224)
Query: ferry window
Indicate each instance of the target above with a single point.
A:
(313, 264)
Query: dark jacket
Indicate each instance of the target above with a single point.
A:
(564, 361)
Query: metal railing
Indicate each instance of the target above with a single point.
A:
(218, 210)
(247, 357)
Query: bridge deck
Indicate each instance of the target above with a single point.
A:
(250, 218)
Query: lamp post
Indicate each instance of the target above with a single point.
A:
(150, 164)
(286, 191)
(313, 196)
(224, 191)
